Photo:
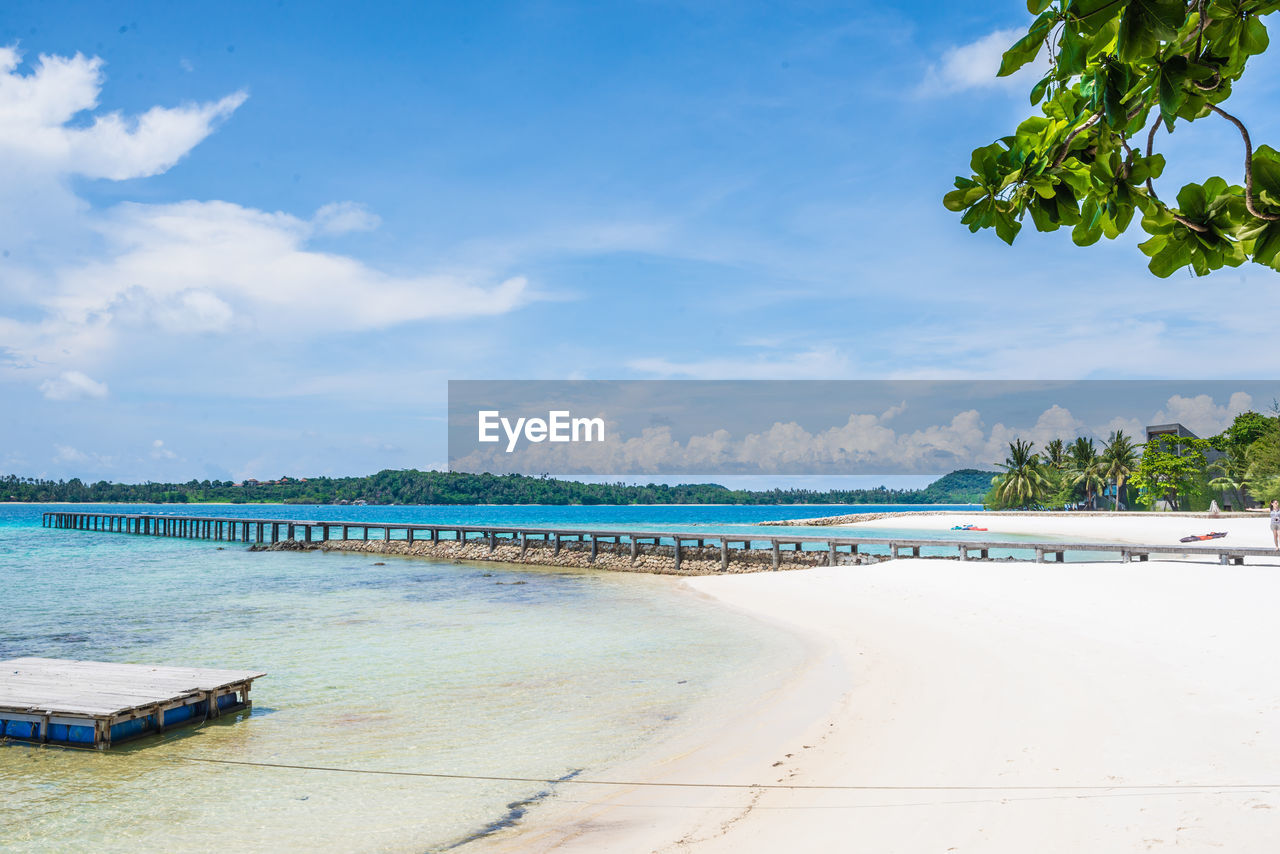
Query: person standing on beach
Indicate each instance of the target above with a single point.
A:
(1275, 523)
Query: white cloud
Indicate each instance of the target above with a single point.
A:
(344, 217)
(865, 443)
(68, 454)
(203, 266)
(83, 461)
(1201, 414)
(36, 110)
(974, 66)
(814, 363)
(82, 282)
(72, 385)
(160, 452)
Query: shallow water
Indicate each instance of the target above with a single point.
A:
(414, 665)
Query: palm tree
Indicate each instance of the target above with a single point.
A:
(1056, 452)
(1233, 476)
(1023, 483)
(1086, 467)
(1119, 460)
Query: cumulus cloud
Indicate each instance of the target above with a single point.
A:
(72, 385)
(160, 452)
(36, 110)
(1201, 414)
(82, 281)
(863, 444)
(204, 266)
(974, 66)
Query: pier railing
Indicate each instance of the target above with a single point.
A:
(251, 530)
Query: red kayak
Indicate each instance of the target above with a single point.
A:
(1196, 538)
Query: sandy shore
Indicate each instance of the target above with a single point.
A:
(1144, 528)
(989, 707)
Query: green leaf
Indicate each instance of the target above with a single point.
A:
(1173, 76)
(1146, 23)
(1026, 49)
(979, 215)
(1094, 14)
(1006, 226)
(1113, 100)
(1192, 201)
(1038, 90)
(1158, 220)
(1035, 7)
(1169, 253)
(1146, 167)
(1077, 178)
(1253, 37)
(985, 163)
(1122, 219)
(958, 200)
(1071, 53)
(1266, 246)
(1266, 174)
(1087, 231)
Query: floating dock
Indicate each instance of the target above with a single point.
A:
(96, 704)
(833, 549)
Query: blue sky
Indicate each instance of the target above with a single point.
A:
(305, 219)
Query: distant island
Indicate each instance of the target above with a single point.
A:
(966, 486)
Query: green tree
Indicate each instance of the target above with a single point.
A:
(1023, 483)
(1263, 467)
(1056, 454)
(1086, 467)
(1119, 71)
(1119, 461)
(1172, 469)
(1247, 428)
(1231, 476)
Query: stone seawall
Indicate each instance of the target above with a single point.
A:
(659, 560)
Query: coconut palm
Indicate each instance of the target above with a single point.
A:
(1056, 453)
(1023, 483)
(1119, 460)
(1233, 476)
(1085, 467)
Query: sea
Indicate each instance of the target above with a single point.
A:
(468, 672)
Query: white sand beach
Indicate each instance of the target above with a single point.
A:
(1145, 528)
(983, 707)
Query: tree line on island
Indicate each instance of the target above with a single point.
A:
(1238, 467)
(410, 486)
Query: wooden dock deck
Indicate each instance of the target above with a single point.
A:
(96, 704)
(837, 548)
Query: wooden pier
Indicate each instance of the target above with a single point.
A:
(834, 549)
(95, 704)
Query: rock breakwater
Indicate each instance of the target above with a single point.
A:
(694, 560)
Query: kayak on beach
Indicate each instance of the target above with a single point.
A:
(1194, 537)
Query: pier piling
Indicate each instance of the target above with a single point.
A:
(802, 549)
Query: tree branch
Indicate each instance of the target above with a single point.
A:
(1066, 143)
(1248, 165)
(1151, 190)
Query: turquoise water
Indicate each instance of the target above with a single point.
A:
(413, 665)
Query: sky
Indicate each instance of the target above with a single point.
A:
(253, 240)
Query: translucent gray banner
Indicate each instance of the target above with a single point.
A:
(818, 427)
